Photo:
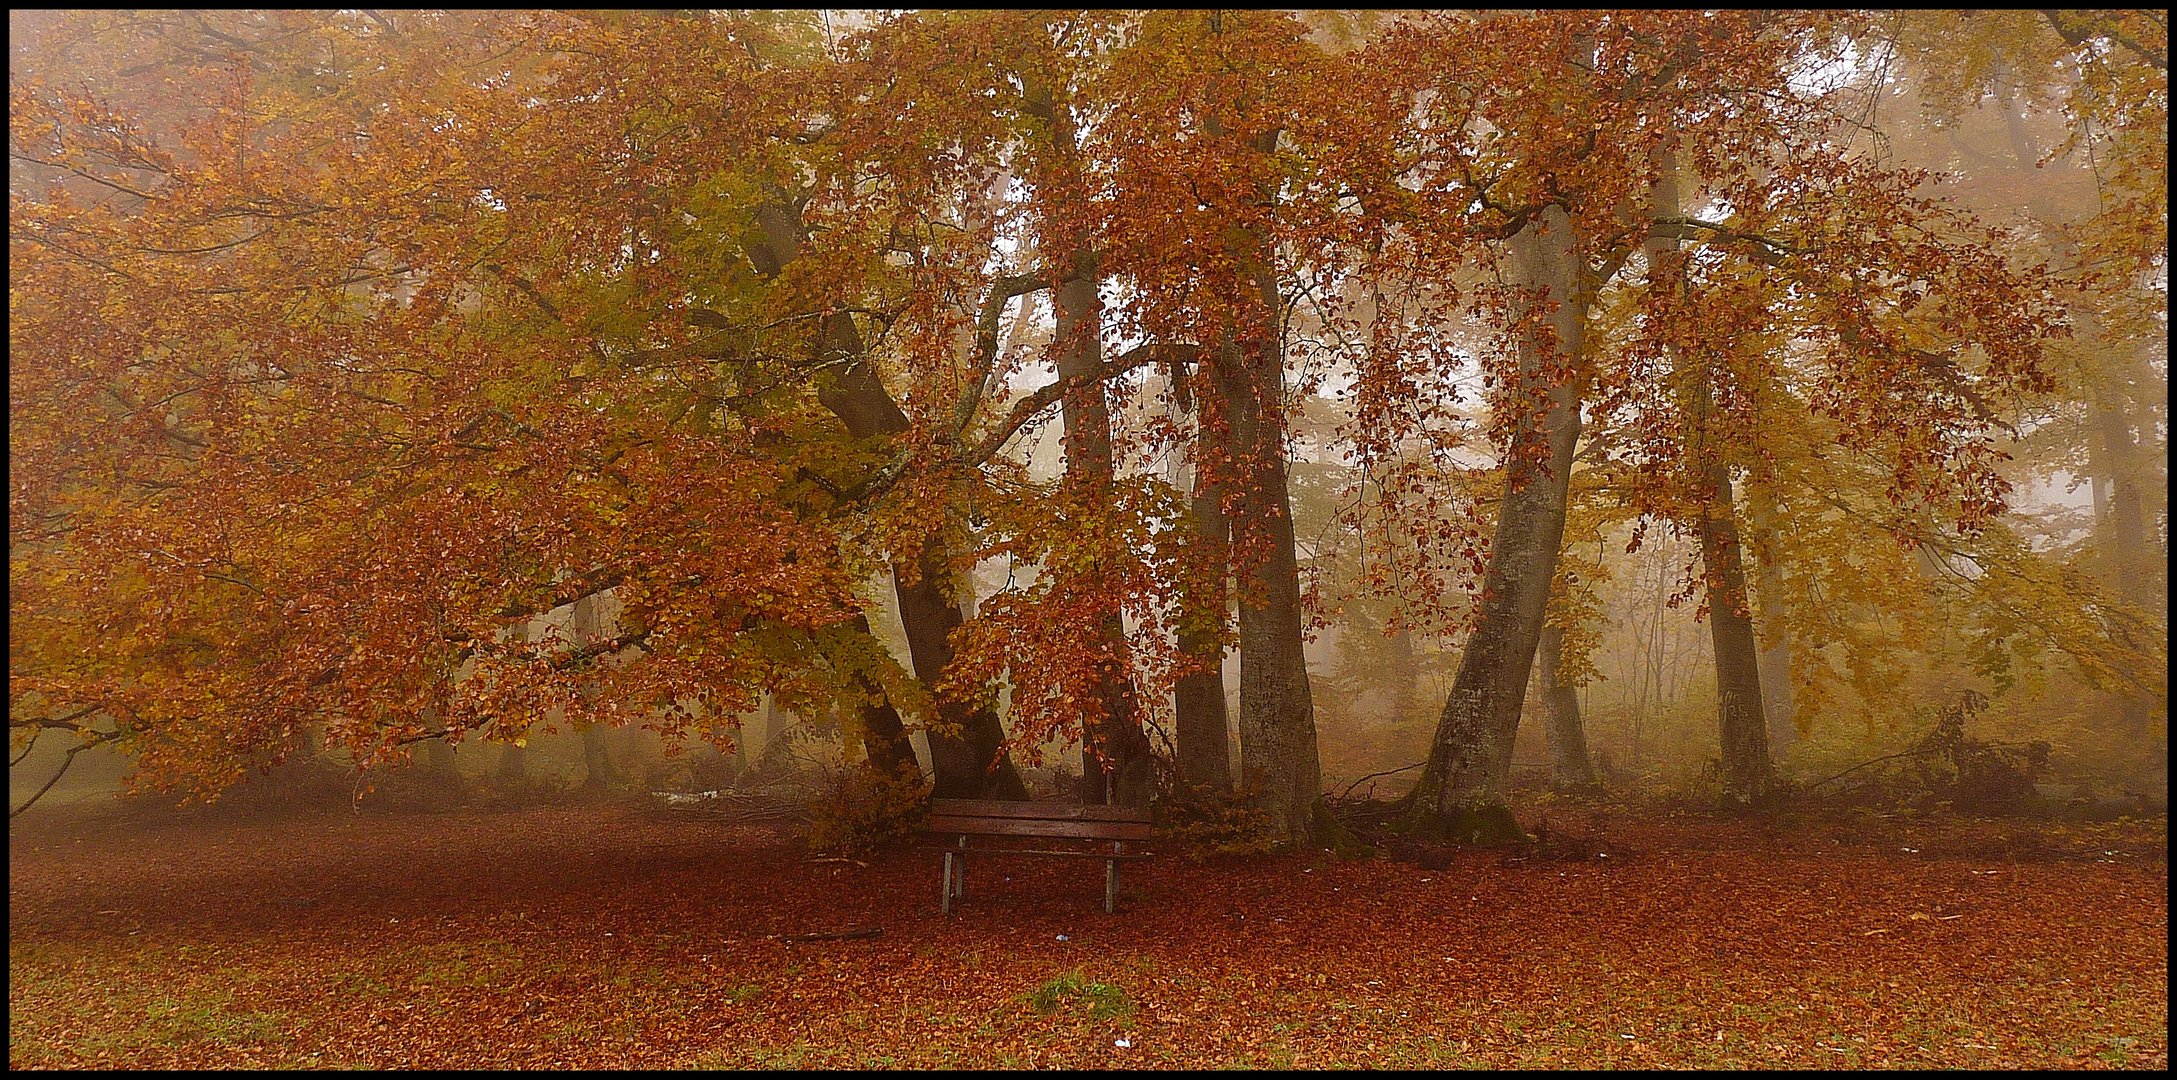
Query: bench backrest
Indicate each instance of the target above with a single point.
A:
(990, 817)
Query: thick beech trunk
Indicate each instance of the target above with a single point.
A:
(967, 745)
(1571, 769)
(1115, 763)
(884, 737)
(1461, 794)
(1278, 755)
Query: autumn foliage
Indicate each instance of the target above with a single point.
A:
(430, 375)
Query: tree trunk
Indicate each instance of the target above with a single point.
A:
(1115, 764)
(513, 772)
(771, 762)
(1570, 767)
(2128, 559)
(1204, 751)
(1461, 793)
(884, 736)
(583, 631)
(1742, 728)
(1278, 755)
(599, 774)
(1404, 676)
(438, 754)
(1775, 660)
(967, 745)
(438, 758)
(1747, 772)
(968, 754)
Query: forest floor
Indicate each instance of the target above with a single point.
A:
(619, 935)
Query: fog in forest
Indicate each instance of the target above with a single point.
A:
(1119, 539)
(2038, 636)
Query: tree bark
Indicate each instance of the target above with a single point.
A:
(967, 745)
(1404, 676)
(2128, 560)
(884, 736)
(1461, 793)
(438, 761)
(1571, 769)
(583, 631)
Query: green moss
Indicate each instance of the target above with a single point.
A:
(1479, 824)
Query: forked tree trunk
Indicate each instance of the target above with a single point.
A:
(1461, 793)
(967, 745)
(1571, 769)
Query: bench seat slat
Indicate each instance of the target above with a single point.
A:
(996, 808)
(1083, 830)
(1123, 857)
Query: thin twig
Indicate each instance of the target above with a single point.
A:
(1371, 776)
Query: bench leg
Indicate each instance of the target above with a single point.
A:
(944, 891)
(960, 871)
(1111, 885)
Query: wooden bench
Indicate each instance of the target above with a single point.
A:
(962, 818)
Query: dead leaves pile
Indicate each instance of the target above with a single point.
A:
(599, 937)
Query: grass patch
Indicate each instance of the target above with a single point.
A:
(1072, 991)
(180, 1021)
(461, 963)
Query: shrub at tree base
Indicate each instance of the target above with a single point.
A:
(862, 810)
(1224, 822)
